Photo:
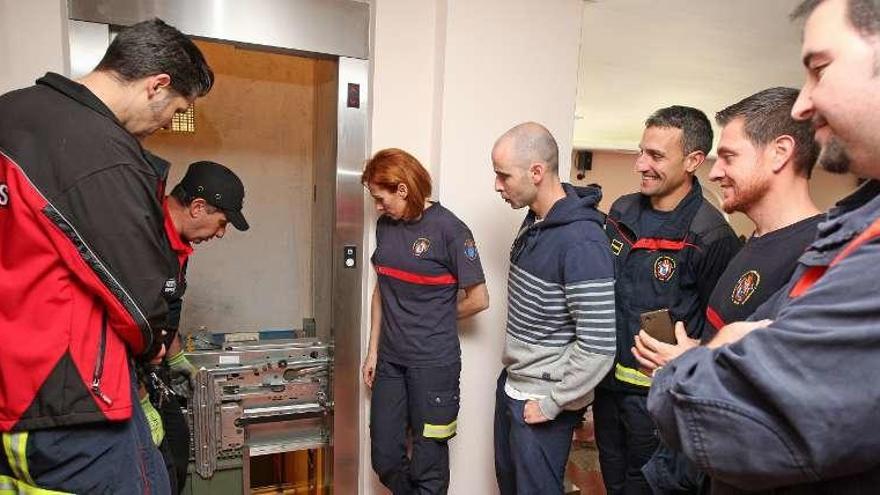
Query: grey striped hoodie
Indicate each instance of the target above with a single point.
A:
(560, 317)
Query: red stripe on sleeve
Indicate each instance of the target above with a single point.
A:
(714, 318)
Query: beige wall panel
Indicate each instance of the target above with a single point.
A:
(33, 40)
(259, 120)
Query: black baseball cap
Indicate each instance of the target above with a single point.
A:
(219, 187)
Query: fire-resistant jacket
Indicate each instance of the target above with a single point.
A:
(677, 270)
(792, 407)
(83, 257)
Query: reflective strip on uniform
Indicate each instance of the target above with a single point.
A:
(15, 446)
(631, 376)
(439, 431)
(12, 486)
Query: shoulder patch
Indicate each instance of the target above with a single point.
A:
(664, 268)
(746, 286)
(421, 246)
(470, 249)
(616, 246)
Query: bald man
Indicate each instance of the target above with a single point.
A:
(560, 327)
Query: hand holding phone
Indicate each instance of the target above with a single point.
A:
(658, 324)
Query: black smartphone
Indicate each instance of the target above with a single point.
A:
(658, 324)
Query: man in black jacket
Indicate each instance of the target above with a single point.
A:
(670, 246)
(199, 208)
(84, 291)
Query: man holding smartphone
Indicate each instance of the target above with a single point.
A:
(765, 159)
(670, 246)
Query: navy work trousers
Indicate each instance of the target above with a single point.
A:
(626, 438)
(530, 459)
(98, 458)
(423, 401)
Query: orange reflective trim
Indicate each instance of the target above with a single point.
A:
(807, 280)
(814, 273)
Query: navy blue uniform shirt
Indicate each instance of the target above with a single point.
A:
(421, 265)
(762, 267)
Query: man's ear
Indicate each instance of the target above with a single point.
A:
(537, 170)
(780, 151)
(158, 83)
(693, 161)
(198, 207)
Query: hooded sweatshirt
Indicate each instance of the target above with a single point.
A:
(560, 339)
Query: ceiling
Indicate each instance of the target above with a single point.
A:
(641, 55)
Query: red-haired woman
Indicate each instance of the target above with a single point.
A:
(424, 257)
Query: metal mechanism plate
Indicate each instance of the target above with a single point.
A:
(263, 397)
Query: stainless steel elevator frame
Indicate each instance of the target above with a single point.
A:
(335, 29)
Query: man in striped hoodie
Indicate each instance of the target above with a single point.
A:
(561, 320)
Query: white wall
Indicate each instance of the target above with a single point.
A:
(404, 58)
(641, 55)
(492, 64)
(33, 40)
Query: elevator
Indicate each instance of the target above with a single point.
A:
(288, 113)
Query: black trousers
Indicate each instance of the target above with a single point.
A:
(626, 437)
(423, 401)
(175, 446)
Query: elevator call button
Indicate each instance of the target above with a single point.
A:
(349, 256)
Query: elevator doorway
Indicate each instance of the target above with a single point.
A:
(288, 114)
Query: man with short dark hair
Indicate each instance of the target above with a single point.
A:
(670, 246)
(560, 321)
(87, 264)
(789, 405)
(765, 159)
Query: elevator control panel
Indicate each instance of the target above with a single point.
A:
(349, 256)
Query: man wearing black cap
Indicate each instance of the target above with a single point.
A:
(198, 209)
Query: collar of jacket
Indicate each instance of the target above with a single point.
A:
(578, 204)
(847, 219)
(85, 97)
(679, 222)
(78, 92)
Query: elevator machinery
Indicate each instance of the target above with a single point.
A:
(259, 399)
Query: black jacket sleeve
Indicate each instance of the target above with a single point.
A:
(120, 218)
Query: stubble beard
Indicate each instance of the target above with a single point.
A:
(834, 157)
